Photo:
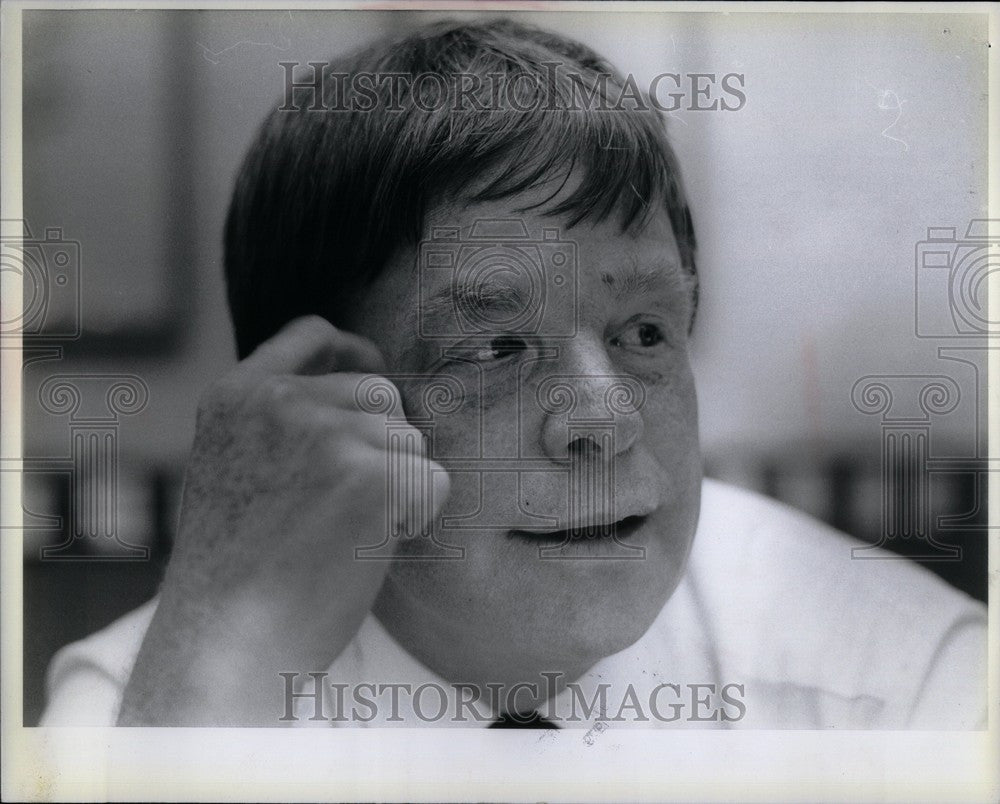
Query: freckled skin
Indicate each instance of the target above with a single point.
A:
(503, 613)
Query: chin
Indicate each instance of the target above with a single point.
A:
(613, 619)
(606, 606)
(598, 642)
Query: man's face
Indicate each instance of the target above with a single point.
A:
(567, 423)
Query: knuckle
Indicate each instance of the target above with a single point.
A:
(377, 395)
(314, 328)
(275, 392)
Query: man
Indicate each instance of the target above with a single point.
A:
(459, 456)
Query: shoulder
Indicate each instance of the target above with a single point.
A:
(793, 606)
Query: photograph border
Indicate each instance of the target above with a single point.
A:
(66, 764)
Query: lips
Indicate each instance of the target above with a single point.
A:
(619, 529)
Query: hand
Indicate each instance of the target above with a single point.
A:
(287, 477)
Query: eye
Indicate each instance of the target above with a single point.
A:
(640, 336)
(498, 349)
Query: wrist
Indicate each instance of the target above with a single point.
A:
(198, 669)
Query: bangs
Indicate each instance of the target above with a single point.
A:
(622, 170)
(529, 116)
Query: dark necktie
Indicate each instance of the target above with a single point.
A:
(532, 721)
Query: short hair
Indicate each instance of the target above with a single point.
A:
(327, 194)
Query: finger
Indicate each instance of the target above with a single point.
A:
(312, 345)
(374, 431)
(368, 393)
(416, 489)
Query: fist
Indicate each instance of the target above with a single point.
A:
(287, 479)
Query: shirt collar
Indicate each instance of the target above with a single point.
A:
(376, 682)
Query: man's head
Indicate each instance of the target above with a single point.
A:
(523, 239)
(326, 196)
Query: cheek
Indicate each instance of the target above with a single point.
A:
(670, 413)
(486, 419)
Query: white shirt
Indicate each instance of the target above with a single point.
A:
(773, 609)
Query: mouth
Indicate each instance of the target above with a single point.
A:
(619, 529)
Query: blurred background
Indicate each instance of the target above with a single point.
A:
(812, 205)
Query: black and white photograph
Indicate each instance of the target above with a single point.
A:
(531, 401)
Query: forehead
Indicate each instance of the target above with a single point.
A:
(506, 255)
(603, 253)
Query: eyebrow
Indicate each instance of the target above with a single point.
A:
(640, 280)
(634, 280)
(480, 298)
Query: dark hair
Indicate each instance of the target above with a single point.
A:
(327, 194)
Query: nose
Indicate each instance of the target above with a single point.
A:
(590, 416)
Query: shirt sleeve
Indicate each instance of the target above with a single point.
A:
(86, 679)
(953, 694)
(82, 695)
